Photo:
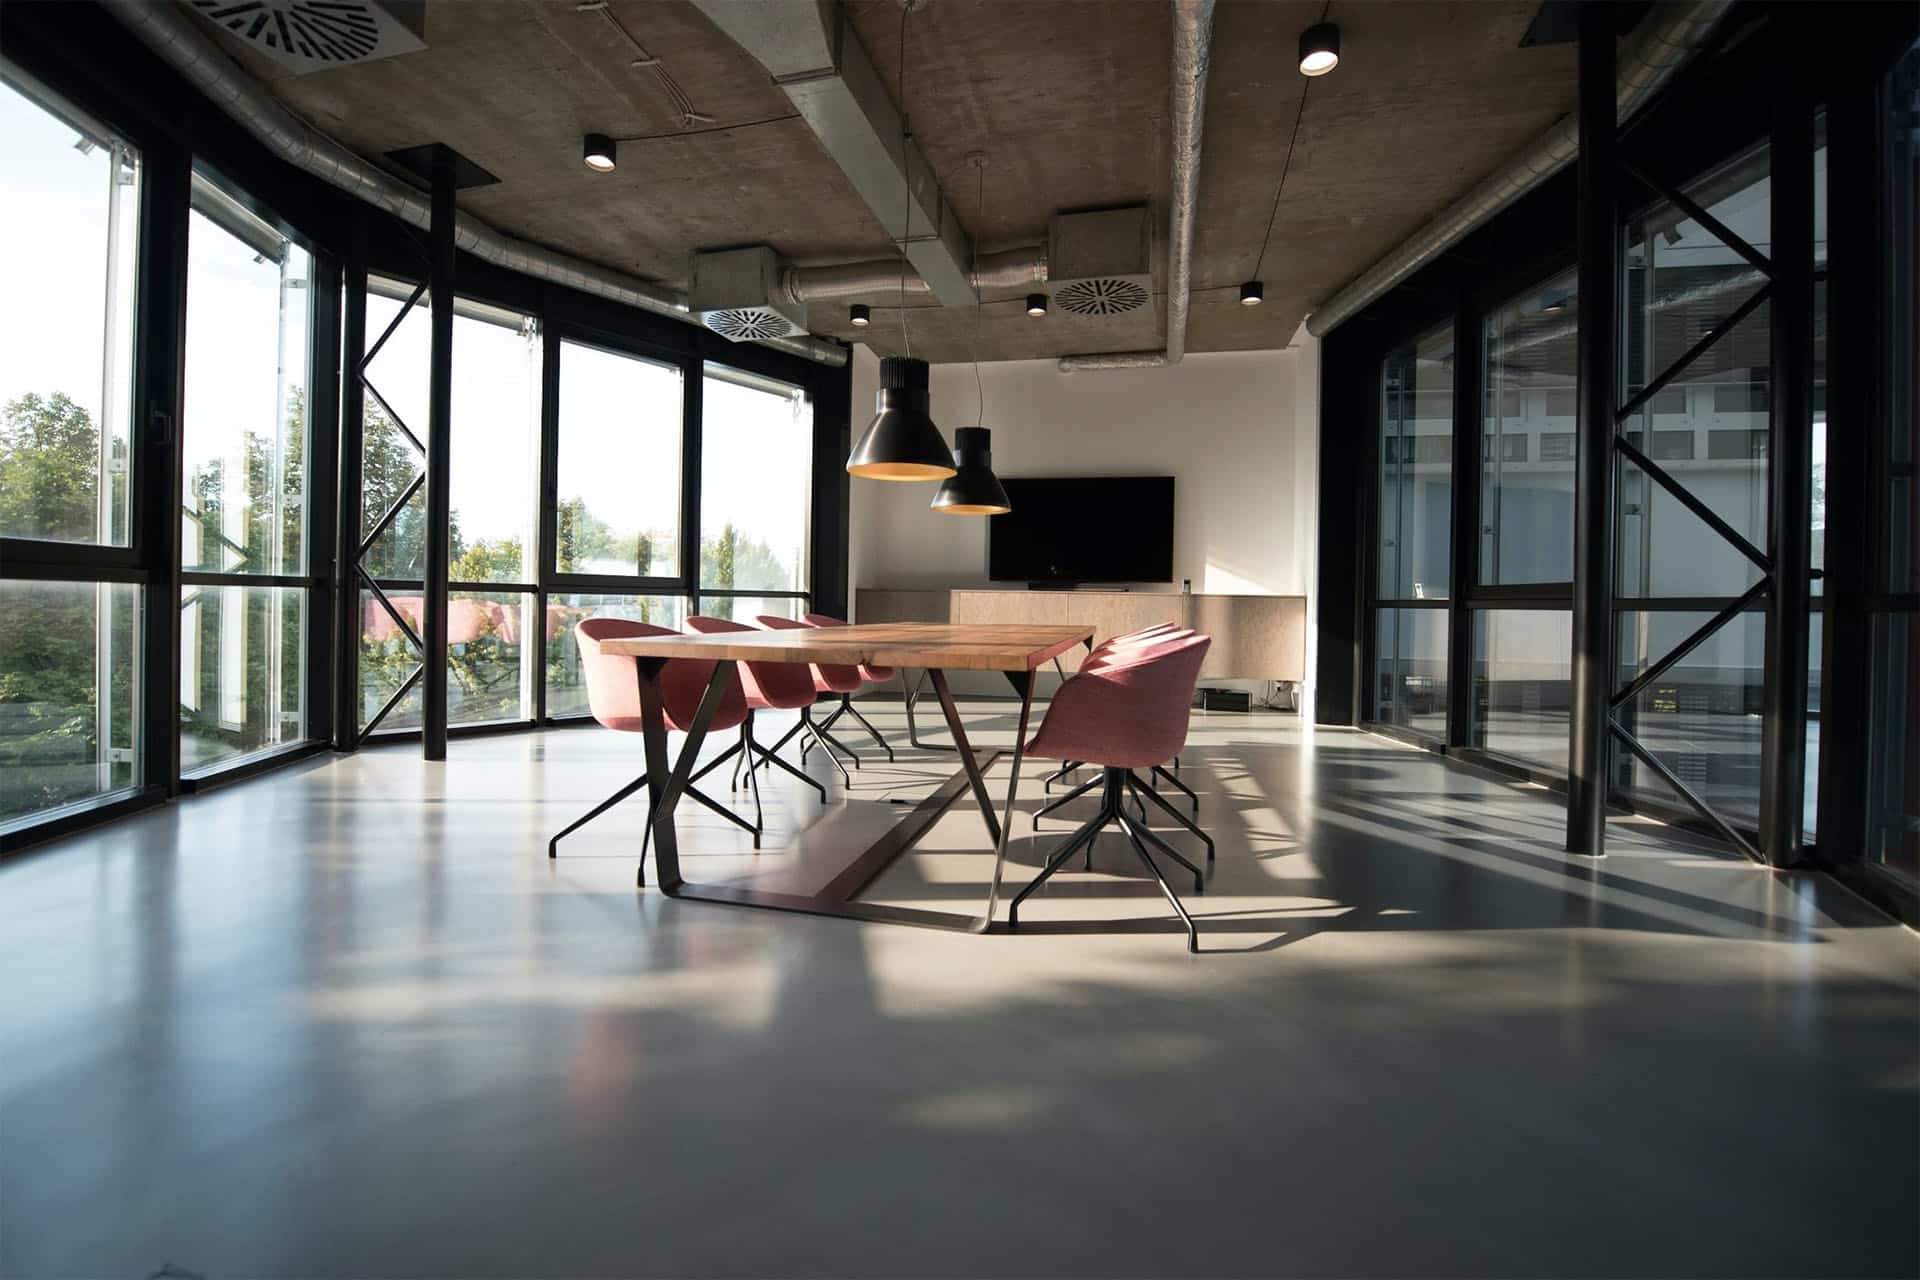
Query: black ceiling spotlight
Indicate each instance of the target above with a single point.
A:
(1036, 304)
(859, 315)
(597, 153)
(1319, 49)
(901, 443)
(1252, 293)
(973, 490)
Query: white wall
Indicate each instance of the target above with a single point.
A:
(1237, 430)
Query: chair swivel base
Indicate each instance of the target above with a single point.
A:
(1115, 785)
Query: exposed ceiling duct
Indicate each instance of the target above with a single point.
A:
(177, 38)
(1012, 270)
(1665, 39)
(1192, 51)
(816, 59)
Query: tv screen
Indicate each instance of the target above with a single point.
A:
(1084, 529)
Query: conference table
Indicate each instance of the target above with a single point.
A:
(1016, 651)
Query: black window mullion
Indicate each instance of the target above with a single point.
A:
(692, 407)
(547, 532)
(1468, 396)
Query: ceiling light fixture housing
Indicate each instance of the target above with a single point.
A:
(598, 153)
(1319, 49)
(1252, 293)
(859, 315)
(973, 489)
(1036, 304)
(902, 442)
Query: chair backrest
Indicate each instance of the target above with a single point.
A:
(1147, 687)
(827, 677)
(613, 683)
(1105, 652)
(774, 684)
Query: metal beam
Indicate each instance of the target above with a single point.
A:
(1783, 742)
(433, 602)
(817, 60)
(1599, 240)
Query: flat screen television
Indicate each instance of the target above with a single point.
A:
(1084, 529)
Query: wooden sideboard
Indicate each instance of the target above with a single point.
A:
(1254, 637)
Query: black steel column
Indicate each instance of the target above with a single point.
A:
(1468, 397)
(1783, 743)
(439, 440)
(1599, 240)
(353, 399)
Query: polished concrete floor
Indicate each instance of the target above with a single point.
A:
(348, 1020)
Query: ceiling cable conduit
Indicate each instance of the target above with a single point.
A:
(1012, 269)
(1192, 52)
(1666, 38)
(177, 38)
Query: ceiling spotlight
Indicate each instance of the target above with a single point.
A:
(1036, 304)
(1251, 293)
(1553, 306)
(859, 315)
(1319, 49)
(597, 153)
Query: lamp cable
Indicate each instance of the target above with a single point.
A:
(1287, 164)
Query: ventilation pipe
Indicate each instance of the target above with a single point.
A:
(1192, 51)
(176, 37)
(1667, 38)
(1013, 269)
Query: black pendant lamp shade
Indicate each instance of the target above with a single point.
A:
(973, 490)
(901, 443)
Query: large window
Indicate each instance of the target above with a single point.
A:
(243, 525)
(618, 485)
(1414, 535)
(1526, 477)
(756, 469)
(69, 642)
(494, 468)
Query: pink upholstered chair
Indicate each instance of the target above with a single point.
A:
(769, 686)
(828, 678)
(868, 675)
(613, 693)
(1129, 713)
(1102, 655)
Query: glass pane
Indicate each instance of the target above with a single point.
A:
(1701, 719)
(1410, 664)
(244, 434)
(242, 672)
(1522, 665)
(389, 463)
(747, 608)
(496, 449)
(68, 246)
(756, 484)
(489, 670)
(387, 658)
(1416, 469)
(619, 465)
(69, 683)
(566, 691)
(1526, 482)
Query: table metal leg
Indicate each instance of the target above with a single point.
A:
(665, 786)
(967, 763)
(1023, 683)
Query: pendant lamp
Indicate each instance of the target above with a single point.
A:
(901, 443)
(973, 489)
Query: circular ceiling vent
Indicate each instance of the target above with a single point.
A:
(748, 324)
(1100, 296)
(311, 34)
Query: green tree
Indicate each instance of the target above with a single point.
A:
(49, 469)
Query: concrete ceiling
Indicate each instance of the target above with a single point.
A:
(1067, 98)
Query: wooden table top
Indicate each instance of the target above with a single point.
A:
(947, 646)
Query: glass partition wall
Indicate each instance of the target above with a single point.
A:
(1699, 519)
(212, 506)
(72, 592)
